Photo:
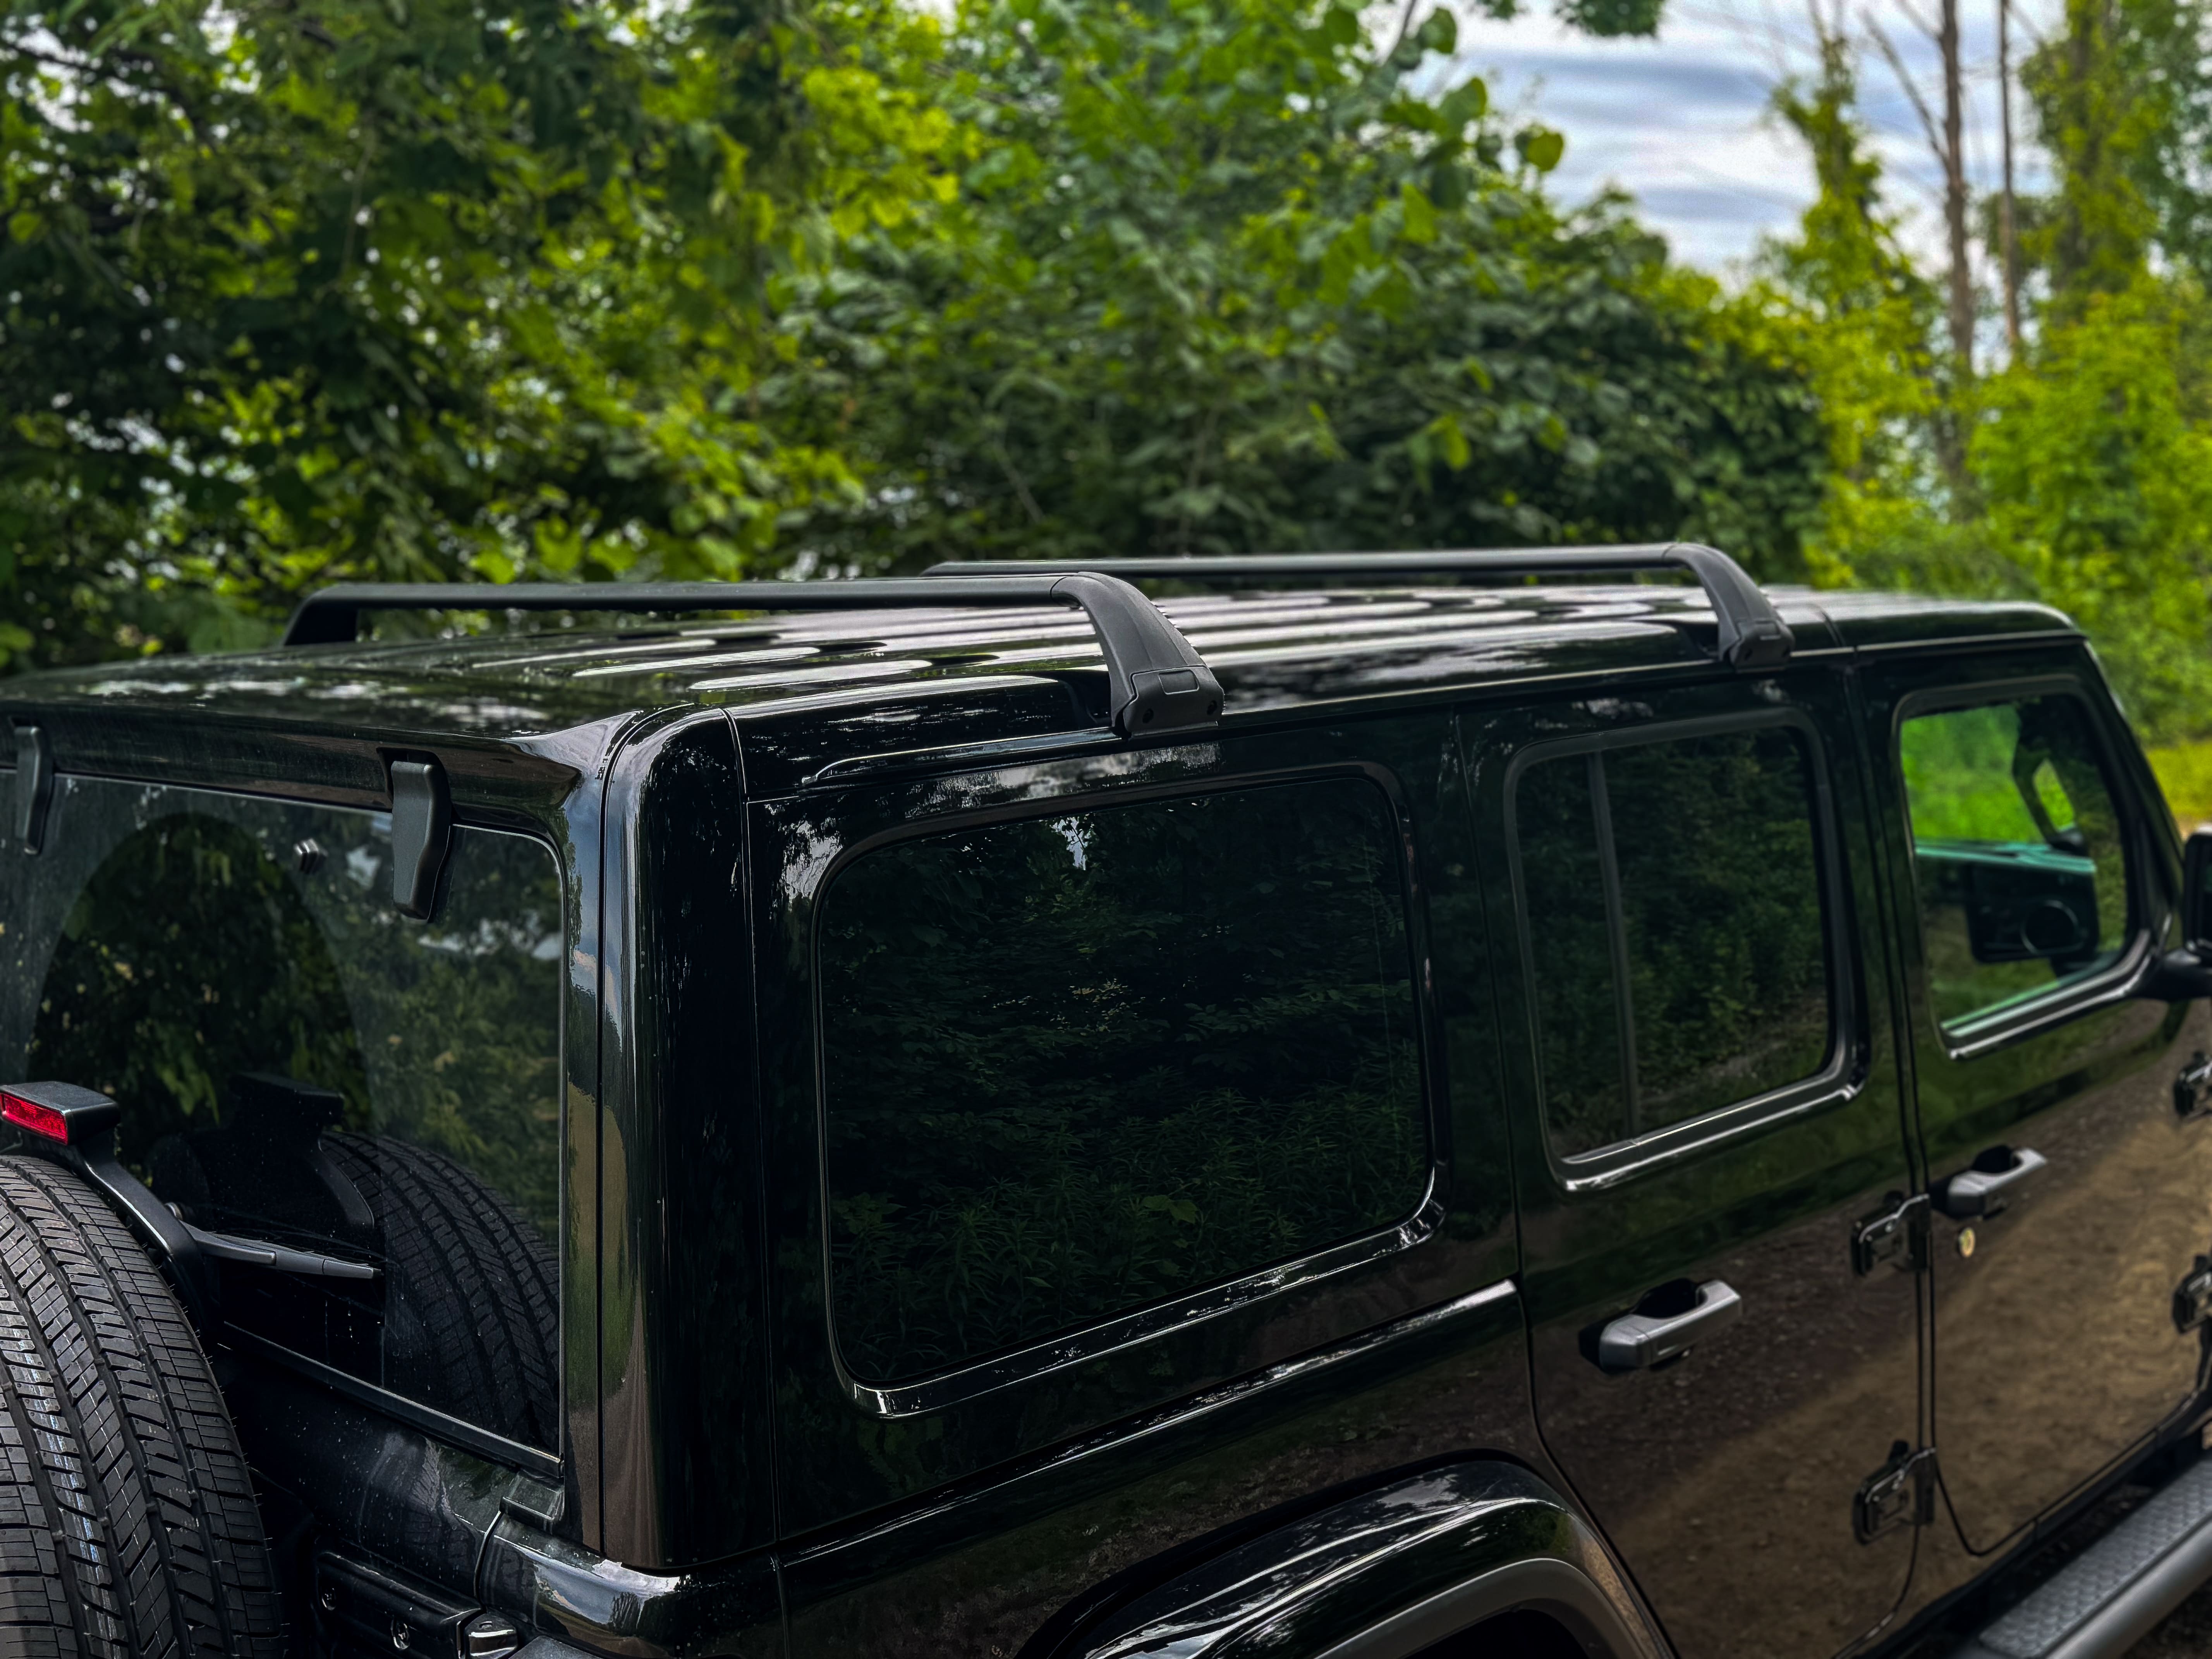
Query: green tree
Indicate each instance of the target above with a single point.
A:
(1218, 280)
(2102, 108)
(2096, 464)
(410, 289)
(424, 288)
(2078, 475)
(1847, 302)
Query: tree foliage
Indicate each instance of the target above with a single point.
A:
(1218, 281)
(1851, 305)
(2076, 474)
(403, 289)
(502, 288)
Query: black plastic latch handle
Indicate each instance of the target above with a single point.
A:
(35, 784)
(422, 833)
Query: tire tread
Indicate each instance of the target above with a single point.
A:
(128, 1524)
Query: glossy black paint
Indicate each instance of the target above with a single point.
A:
(682, 1311)
(847, 1447)
(724, 1496)
(989, 1563)
(1790, 1408)
(1403, 1557)
(2083, 1075)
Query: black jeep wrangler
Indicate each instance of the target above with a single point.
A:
(1364, 1107)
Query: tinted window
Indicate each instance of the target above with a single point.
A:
(300, 1064)
(1076, 1064)
(2016, 852)
(1673, 899)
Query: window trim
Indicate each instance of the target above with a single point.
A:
(458, 1431)
(1131, 1328)
(2055, 1005)
(1841, 1076)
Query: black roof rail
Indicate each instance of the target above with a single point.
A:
(1155, 681)
(1752, 635)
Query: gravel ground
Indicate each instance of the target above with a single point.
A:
(2187, 1634)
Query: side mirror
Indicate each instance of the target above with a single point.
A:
(2197, 892)
(2184, 975)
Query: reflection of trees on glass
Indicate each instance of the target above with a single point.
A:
(460, 1016)
(1563, 886)
(2017, 853)
(409, 1113)
(1076, 1064)
(189, 955)
(1719, 926)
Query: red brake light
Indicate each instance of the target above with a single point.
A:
(29, 1115)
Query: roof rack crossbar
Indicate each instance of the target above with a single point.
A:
(1752, 635)
(1155, 681)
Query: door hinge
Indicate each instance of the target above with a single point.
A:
(2192, 1089)
(2192, 1297)
(1897, 1235)
(1900, 1493)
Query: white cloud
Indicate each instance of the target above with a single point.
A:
(1682, 123)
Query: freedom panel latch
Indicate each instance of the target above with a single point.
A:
(35, 784)
(422, 833)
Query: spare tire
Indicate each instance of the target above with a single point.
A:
(128, 1527)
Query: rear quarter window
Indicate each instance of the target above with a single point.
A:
(1075, 1065)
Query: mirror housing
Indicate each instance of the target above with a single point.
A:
(2184, 975)
(2197, 892)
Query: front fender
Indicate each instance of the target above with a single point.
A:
(1384, 1575)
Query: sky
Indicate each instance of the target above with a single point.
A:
(1681, 122)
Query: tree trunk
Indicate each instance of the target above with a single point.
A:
(2008, 234)
(1954, 192)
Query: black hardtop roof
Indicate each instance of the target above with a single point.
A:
(847, 683)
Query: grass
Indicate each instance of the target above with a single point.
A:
(2185, 772)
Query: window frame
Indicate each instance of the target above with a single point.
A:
(2062, 1001)
(958, 1384)
(1836, 1080)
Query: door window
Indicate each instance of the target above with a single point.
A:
(1076, 1064)
(2017, 854)
(1676, 929)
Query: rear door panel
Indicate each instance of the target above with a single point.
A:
(1726, 1479)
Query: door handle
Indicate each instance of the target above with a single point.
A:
(1659, 1331)
(1980, 1189)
